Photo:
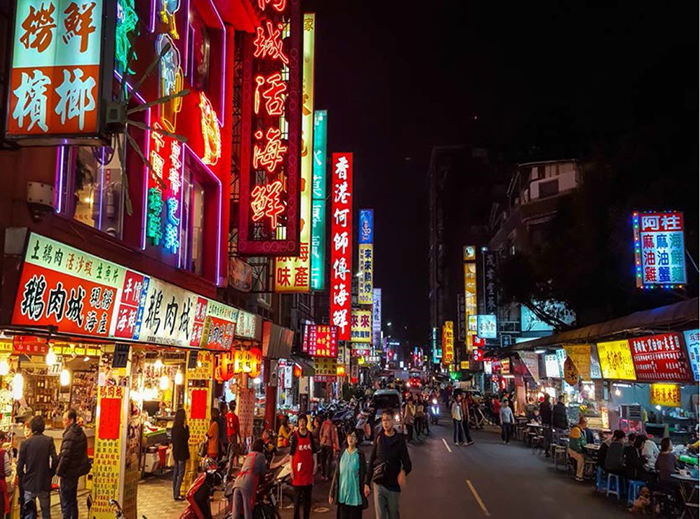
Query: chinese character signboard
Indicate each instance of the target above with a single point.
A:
(461, 319)
(659, 250)
(470, 291)
(361, 326)
(377, 318)
(82, 294)
(318, 205)
(270, 179)
(660, 357)
(665, 395)
(321, 341)
(365, 256)
(325, 366)
(486, 325)
(448, 343)
(341, 243)
(616, 360)
(292, 274)
(580, 355)
(490, 297)
(692, 342)
(57, 86)
(551, 366)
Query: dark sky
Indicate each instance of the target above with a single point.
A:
(530, 80)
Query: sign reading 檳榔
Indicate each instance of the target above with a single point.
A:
(55, 82)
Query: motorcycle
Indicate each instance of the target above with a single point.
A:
(198, 495)
(434, 411)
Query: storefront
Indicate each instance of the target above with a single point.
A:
(122, 348)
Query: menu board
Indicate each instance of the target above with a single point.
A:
(82, 294)
(325, 366)
(321, 341)
(660, 358)
(616, 360)
(665, 395)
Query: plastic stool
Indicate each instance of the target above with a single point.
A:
(614, 487)
(634, 486)
(601, 482)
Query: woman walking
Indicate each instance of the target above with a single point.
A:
(348, 478)
(181, 453)
(213, 435)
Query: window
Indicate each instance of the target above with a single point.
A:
(93, 187)
(549, 188)
(191, 237)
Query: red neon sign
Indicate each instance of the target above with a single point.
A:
(270, 45)
(273, 96)
(341, 243)
(265, 202)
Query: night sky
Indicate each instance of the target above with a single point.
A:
(528, 80)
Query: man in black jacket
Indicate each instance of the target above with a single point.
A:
(559, 419)
(546, 416)
(36, 466)
(72, 463)
(389, 458)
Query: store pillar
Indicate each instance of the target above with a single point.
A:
(198, 400)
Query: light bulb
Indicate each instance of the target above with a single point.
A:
(618, 392)
(164, 382)
(4, 367)
(256, 380)
(86, 359)
(65, 377)
(50, 357)
(158, 364)
(178, 378)
(17, 386)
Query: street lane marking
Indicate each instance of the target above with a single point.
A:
(446, 446)
(478, 499)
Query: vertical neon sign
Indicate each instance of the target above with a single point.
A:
(365, 256)
(318, 204)
(341, 244)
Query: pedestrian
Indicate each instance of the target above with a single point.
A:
(180, 437)
(409, 417)
(246, 483)
(329, 446)
(421, 422)
(302, 449)
(456, 412)
(546, 416)
(284, 433)
(465, 419)
(5, 476)
(507, 420)
(73, 462)
(316, 428)
(496, 411)
(389, 464)
(213, 435)
(348, 480)
(559, 419)
(577, 439)
(233, 427)
(36, 465)
(223, 431)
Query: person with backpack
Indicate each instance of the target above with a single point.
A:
(73, 462)
(302, 450)
(389, 464)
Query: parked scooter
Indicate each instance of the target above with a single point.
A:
(198, 495)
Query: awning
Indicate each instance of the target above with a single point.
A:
(307, 367)
(277, 341)
(674, 316)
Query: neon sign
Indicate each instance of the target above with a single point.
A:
(210, 131)
(270, 213)
(127, 19)
(171, 80)
(168, 8)
(318, 204)
(659, 250)
(341, 244)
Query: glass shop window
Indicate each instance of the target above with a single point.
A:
(94, 186)
(192, 233)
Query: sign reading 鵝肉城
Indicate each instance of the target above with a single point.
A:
(56, 84)
(82, 294)
(659, 250)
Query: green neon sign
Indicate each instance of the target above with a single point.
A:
(318, 204)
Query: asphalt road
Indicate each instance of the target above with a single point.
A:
(487, 479)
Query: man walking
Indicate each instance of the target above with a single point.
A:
(465, 418)
(389, 464)
(36, 466)
(546, 416)
(302, 449)
(73, 462)
(507, 419)
(456, 411)
(328, 438)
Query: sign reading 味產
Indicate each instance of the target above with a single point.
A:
(56, 83)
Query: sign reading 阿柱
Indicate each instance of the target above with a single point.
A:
(659, 249)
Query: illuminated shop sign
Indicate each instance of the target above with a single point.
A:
(321, 341)
(448, 341)
(318, 203)
(270, 179)
(341, 243)
(377, 318)
(366, 256)
(82, 294)
(56, 86)
(361, 326)
(660, 358)
(616, 360)
(659, 250)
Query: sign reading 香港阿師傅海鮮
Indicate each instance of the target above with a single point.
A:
(56, 87)
(341, 243)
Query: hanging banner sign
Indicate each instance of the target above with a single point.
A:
(82, 294)
(580, 355)
(341, 244)
(56, 88)
(616, 360)
(320, 341)
(318, 205)
(571, 374)
(366, 256)
(361, 326)
(448, 341)
(377, 318)
(660, 357)
(692, 346)
(659, 250)
(665, 395)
